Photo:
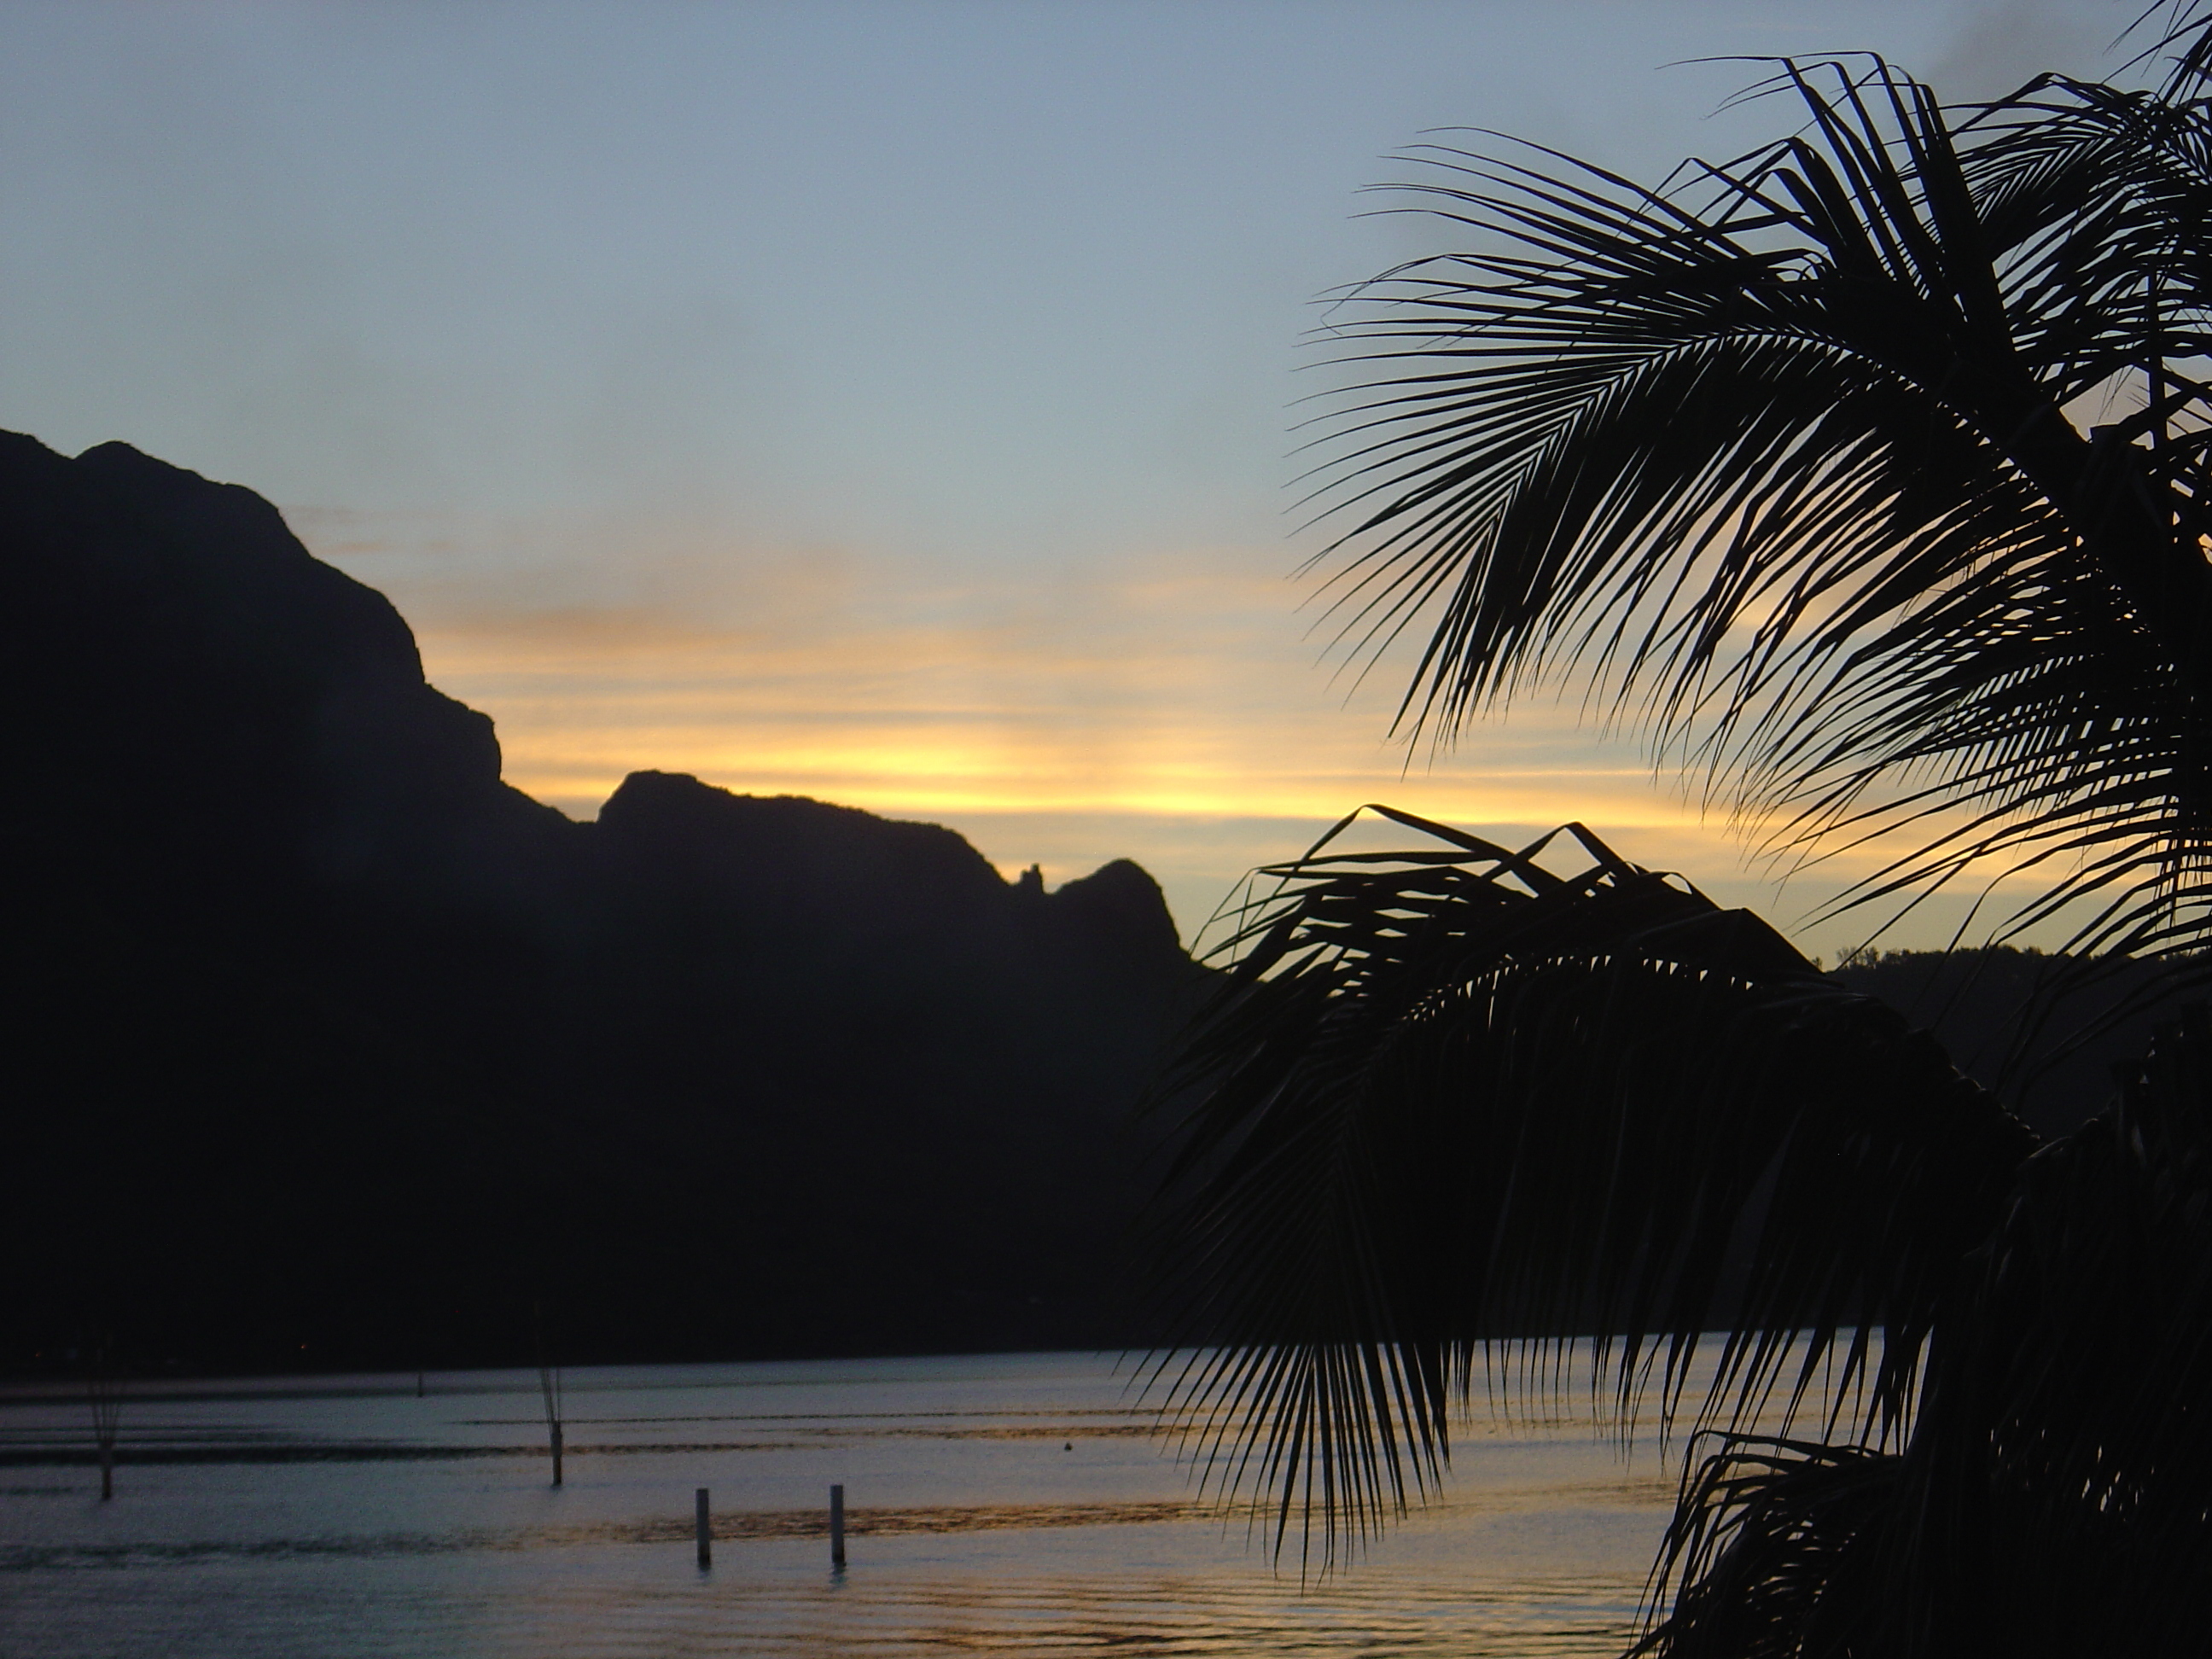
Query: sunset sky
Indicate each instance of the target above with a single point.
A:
(891, 403)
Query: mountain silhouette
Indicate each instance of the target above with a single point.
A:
(331, 1049)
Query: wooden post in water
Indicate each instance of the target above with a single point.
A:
(838, 1529)
(557, 1452)
(706, 1534)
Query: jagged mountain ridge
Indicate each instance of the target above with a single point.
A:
(327, 1037)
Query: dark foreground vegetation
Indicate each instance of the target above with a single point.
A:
(325, 1047)
(1869, 474)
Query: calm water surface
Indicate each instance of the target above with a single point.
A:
(1005, 1504)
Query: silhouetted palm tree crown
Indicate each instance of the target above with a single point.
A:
(1866, 473)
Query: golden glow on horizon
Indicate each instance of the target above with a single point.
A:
(1154, 697)
(1177, 710)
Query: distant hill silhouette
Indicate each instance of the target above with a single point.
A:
(328, 1048)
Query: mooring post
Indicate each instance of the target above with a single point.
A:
(556, 1454)
(837, 1527)
(108, 1479)
(706, 1534)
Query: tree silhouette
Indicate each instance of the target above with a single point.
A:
(1866, 474)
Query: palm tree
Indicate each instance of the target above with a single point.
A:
(1866, 474)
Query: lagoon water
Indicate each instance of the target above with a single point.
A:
(1002, 1505)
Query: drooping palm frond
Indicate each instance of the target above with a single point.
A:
(1772, 1553)
(1786, 459)
(2056, 1493)
(1450, 1097)
(2080, 1382)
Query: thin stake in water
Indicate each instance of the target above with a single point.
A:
(105, 1389)
(838, 1529)
(706, 1534)
(549, 1381)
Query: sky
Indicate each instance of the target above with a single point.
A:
(894, 404)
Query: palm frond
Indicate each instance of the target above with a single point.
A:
(1786, 459)
(1772, 1553)
(1450, 1097)
(2056, 1493)
(2190, 30)
(2091, 1355)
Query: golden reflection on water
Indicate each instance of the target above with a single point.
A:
(614, 1591)
(903, 1616)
